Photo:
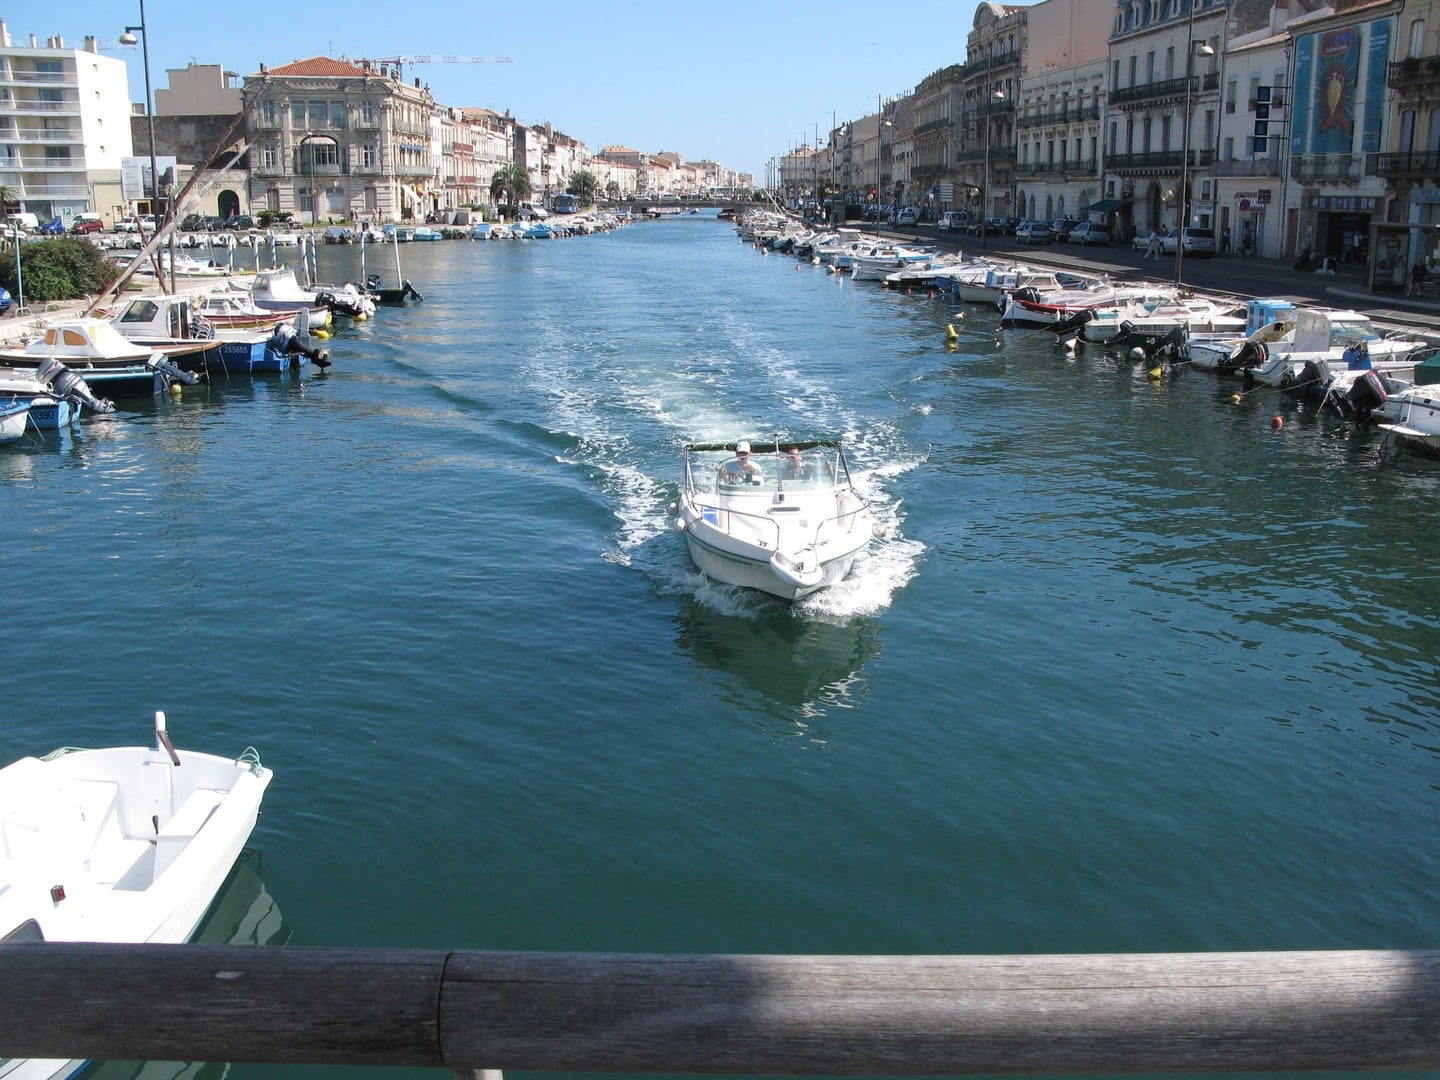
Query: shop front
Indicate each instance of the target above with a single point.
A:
(1398, 247)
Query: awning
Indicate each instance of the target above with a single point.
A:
(1104, 206)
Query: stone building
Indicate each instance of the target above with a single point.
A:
(335, 140)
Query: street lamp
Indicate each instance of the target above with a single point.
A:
(879, 134)
(1193, 48)
(995, 96)
(128, 38)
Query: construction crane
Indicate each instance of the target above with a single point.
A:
(399, 62)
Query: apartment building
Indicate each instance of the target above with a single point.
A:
(333, 139)
(64, 127)
(1163, 112)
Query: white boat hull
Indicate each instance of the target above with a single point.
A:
(786, 537)
(118, 845)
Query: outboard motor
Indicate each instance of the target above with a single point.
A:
(288, 340)
(1072, 322)
(1367, 395)
(1252, 354)
(170, 369)
(70, 386)
(409, 290)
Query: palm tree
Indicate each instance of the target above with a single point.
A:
(512, 184)
(584, 184)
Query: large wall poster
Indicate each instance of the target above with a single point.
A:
(1337, 80)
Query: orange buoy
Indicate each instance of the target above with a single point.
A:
(1277, 422)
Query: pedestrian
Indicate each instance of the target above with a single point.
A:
(1224, 243)
(1418, 274)
(1245, 242)
(1152, 249)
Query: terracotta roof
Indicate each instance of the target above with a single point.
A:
(321, 65)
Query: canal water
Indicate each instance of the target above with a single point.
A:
(1129, 670)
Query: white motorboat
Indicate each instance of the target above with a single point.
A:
(14, 419)
(998, 281)
(1412, 415)
(880, 262)
(1033, 308)
(785, 519)
(126, 844)
(1336, 339)
(1141, 322)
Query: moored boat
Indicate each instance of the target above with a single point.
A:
(125, 844)
(786, 520)
(110, 363)
(14, 419)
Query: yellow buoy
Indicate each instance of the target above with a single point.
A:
(951, 334)
(321, 334)
(175, 389)
(1156, 372)
(1236, 399)
(361, 317)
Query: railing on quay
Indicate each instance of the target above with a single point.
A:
(778, 1015)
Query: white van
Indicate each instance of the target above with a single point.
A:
(25, 220)
(533, 210)
(952, 221)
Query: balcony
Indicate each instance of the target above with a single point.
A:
(1057, 170)
(1146, 93)
(931, 125)
(1076, 115)
(1416, 165)
(1416, 73)
(1327, 168)
(1247, 167)
(1157, 161)
(990, 63)
(21, 106)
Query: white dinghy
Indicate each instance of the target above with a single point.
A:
(784, 519)
(127, 844)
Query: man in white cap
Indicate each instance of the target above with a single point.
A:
(740, 469)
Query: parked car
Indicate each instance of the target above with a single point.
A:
(907, 215)
(1034, 232)
(238, 221)
(1141, 241)
(952, 221)
(1198, 242)
(53, 227)
(27, 221)
(1089, 232)
(190, 222)
(133, 224)
(1060, 228)
(87, 223)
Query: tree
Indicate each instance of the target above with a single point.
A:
(511, 184)
(584, 184)
(612, 189)
(60, 269)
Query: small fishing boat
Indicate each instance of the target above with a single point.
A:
(14, 419)
(126, 844)
(785, 520)
(237, 310)
(109, 362)
(55, 393)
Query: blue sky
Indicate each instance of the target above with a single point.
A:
(737, 81)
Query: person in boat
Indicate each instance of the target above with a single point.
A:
(740, 469)
(795, 467)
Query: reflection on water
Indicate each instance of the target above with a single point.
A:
(808, 665)
(244, 913)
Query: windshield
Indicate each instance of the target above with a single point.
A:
(764, 472)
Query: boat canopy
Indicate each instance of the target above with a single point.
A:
(797, 444)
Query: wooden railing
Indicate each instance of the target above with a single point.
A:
(780, 1015)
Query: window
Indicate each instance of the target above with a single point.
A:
(367, 112)
(318, 114)
(324, 153)
(268, 112)
(1165, 133)
(337, 114)
(367, 155)
(297, 114)
(267, 156)
(1170, 62)
(1134, 67)
(1150, 66)
(1227, 149)
(1417, 38)
(1115, 74)
(1231, 85)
